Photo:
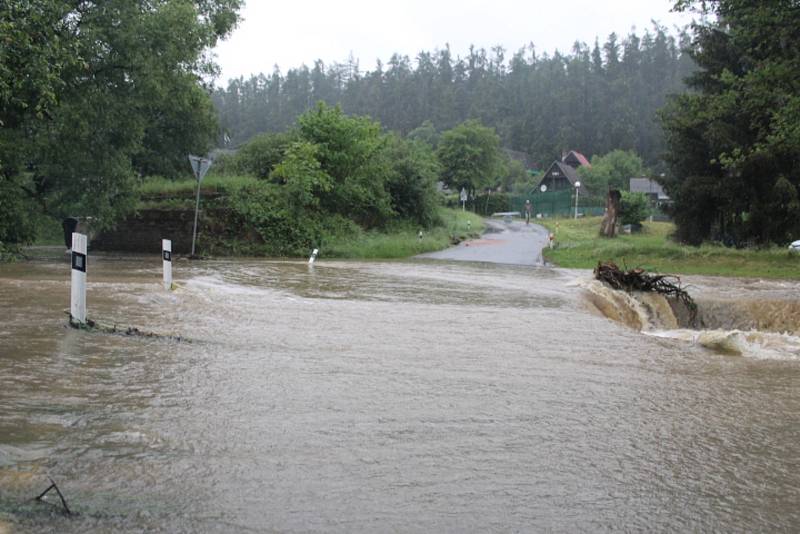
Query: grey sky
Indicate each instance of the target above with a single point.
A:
(292, 33)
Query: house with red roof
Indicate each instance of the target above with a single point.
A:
(563, 174)
(575, 159)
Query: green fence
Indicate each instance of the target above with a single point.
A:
(549, 204)
(553, 204)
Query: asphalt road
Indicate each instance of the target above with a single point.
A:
(512, 243)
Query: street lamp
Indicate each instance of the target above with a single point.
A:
(577, 188)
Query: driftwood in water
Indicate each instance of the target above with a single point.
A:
(60, 495)
(640, 280)
(608, 227)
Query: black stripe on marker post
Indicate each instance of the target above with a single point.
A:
(167, 255)
(79, 261)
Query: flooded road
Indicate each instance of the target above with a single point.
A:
(380, 396)
(512, 243)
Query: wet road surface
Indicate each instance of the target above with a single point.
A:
(513, 243)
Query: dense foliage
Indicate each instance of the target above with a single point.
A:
(612, 171)
(594, 99)
(634, 208)
(94, 94)
(734, 142)
(470, 157)
(333, 175)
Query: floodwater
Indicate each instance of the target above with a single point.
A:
(422, 396)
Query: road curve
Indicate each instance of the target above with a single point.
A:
(512, 243)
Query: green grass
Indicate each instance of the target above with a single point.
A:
(404, 242)
(578, 245)
(155, 185)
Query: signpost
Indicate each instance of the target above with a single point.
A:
(200, 167)
(577, 188)
(166, 256)
(463, 199)
(77, 308)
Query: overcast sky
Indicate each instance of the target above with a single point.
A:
(295, 32)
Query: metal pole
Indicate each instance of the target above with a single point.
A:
(576, 202)
(196, 211)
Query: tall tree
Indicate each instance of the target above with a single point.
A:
(734, 143)
(100, 91)
(470, 156)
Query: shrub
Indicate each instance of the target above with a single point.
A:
(260, 155)
(635, 207)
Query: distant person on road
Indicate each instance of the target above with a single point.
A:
(528, 208)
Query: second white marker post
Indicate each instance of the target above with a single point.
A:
(77, 308)
(166, 256)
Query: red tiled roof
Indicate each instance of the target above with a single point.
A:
(581, 158)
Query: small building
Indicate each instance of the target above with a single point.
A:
(562, 175)
(652, 189)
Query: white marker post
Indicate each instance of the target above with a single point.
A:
(166, 255)
(313, 256)
(77, 309)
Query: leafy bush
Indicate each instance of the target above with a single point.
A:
(414, 170)
(266, 209)
(486, 204)
(350, 151)
(261, 155)
(635, 207)
(17, 211)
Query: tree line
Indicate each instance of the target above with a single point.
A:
(93, 95)
(594, 99)
(733, 140)
(96, 95)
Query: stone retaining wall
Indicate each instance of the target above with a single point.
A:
(144, 231)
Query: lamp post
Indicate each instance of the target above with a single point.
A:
(577, 189)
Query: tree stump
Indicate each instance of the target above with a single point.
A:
(608, 228)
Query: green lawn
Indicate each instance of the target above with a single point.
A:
(155, 185)
(578, 245)
(403, 242)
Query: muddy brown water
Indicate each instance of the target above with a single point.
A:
(385, 396)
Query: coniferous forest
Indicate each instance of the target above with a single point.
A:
(594, 99)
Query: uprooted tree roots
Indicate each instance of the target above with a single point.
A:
(640, 280)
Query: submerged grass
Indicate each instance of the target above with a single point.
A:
(579, 245)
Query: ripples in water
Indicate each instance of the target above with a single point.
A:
(378, 396)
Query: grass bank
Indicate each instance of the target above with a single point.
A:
(156, 185)
(578, 245)
(403, 241)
